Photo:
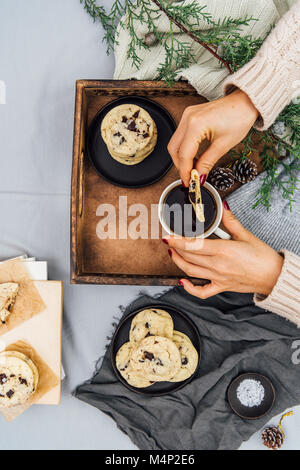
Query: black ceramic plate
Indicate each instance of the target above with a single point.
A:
(153, 168)
(181, 323)
(256, 411)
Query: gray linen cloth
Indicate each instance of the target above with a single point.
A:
(236, 337)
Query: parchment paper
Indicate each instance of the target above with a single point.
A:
(28, 302)
(47, 379)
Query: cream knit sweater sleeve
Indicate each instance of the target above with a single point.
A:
(272, 78)
(285, 296)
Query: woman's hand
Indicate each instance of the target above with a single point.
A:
(224, 123)
(244, 264)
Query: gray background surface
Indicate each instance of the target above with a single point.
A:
(45, 47)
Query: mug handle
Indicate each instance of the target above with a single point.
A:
(221, 234)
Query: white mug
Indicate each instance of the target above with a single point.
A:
(214, 229)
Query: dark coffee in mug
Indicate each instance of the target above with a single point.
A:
(180, 216)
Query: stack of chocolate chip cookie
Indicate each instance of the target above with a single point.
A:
(155, 352)
(19, 378)
(129, 133)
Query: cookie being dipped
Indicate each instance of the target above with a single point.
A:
(195, 196)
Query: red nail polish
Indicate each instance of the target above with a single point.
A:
(165, 241)
(170, 253)
(203, 179)
(226, 206)
(183, 184)
(181, 283)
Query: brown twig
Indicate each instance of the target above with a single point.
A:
(191, 35)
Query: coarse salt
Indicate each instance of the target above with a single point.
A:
(250, 393)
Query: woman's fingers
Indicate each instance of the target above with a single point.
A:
(202, 292)
(196, 245)
(234, 227)
(177, 138)
(184, 145)
(208, 159)
(187, 152)
(192, 270)
(200, 260)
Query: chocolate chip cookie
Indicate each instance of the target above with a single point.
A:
(188, 357)
(151, 322)
(18, 378)
(8, 294)
(156, 358)
(123, 363)
(129, 133)
(195, 196)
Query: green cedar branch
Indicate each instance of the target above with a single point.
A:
(192, 36)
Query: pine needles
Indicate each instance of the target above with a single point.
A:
(225, 41)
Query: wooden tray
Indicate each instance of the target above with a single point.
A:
(129, 262)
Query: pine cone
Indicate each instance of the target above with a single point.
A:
(221, 178)
(278, 129)
(244, 171)
(272, 437)
(150, 39)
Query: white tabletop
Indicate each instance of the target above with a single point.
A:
(45, 47)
